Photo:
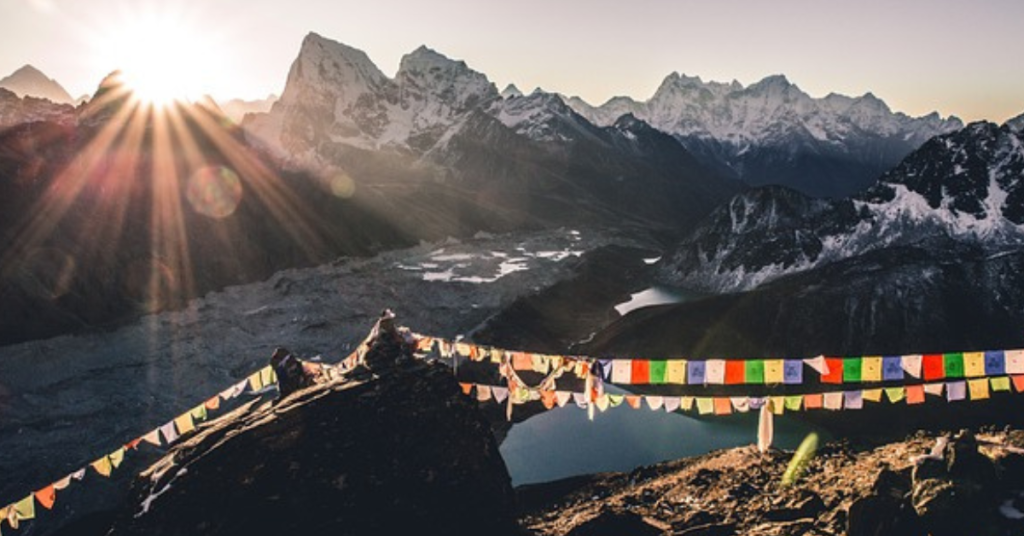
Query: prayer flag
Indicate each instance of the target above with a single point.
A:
(953, 365)
(580, 399)
(497, 356)
(102, 466)
(602, 403)
(615, 400)
(934, 389)
(640, 374)
(778, 404)
(79, 474)
(671, 403)
(255, 381)
(522, 361)
(58, 485)
(834, 370)
(47, 496)
(548, 399)
(213, 404)
(562, 397)
(1018, 382)
(740, 403)
(714, 371)
(705, 405)
(995, 363)
(686, 403)
(722, 406)
(199, 412)
(755, 371)
(25, 508)
(170, 434)
(657, 372)
(655, 402)
(934, 367)
(500, 393)
(813, 401)
(622, 371)
(793, 372)
(765, 429)
(675, 371)
(774, 371)
(152, 437)
(915, 394)
(735, 372)
(540, 363)
(818, 364)
(912, 364)
(873, 395)
(1001, 383)
(871, 369)
(978, 388)
(834, 401)
(184, 423)
(695, 373)
(633, 401)
(1014, 361)
(974, 364)
(853, 399)
(267, 375)
(956, 391)
(466, 388)
(116, 458)
(895, 394)
(852, 369)
(483, 393)
(892, 368)
(794, 402)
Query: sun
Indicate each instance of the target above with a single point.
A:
(164, 56)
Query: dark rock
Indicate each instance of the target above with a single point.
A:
(807, 505)
(616, 523)
(955, 494)
(399, 455)
(712, 529)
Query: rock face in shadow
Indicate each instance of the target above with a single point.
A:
(398, 454)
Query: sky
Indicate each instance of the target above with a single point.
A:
(955, 57)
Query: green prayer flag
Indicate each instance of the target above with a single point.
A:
(1001, 383)
(755, 371)
(657, 371)
(954, 365)
(793, 402)
(852, 369)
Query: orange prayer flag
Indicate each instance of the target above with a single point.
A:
(522, 361)
(633, 401)
(1018, 383)
(46, 497)
(213, 403)
(814, 401)
(915, 394)
(548, 399)
(723, 406)
(466, 388)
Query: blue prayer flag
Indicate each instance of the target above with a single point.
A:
(892, 368)
(793, 371)
(695, 372)
(995, 363)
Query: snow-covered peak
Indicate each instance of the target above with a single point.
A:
(31, 82)
(510, 92)
(427, 74)
(327, 69)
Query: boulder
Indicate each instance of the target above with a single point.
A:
(401, 453)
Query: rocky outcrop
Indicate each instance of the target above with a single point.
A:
(397, 454)
(923, 485)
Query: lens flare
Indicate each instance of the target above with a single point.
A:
(342, 185)
(214, 191)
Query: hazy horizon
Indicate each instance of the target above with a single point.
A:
(917, 56)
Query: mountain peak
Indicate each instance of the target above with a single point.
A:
(426, 58)
(511, 91)
(1016, 124)
(29, 81)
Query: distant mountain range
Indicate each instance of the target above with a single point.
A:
(31, 82)
(771, 132)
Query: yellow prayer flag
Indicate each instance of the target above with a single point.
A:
(199, 412)
(615, 400)
(793, 403)
(184, 423)
(871, 369)
(778, 405)
(675, 371)
(496, 356)
(117, 457)
(255, 381)
(974, 364)
(1001, 383)
(978, 388)
(267, 375)
(705, 406)
(102, 466)
(540, 363)
(25, 508)
(873, 395)
(895, 394)
(602, 403)
(686, 402)
(773, 371)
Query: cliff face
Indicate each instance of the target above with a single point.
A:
(394, 455)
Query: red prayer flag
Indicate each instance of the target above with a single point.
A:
(934, 367)
(641, 372)
(735, 372)
(915, 393)
(548, 398)
(46, 497)
(835, 370)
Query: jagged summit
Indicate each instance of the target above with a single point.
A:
(29, 81)
(1016, 124)
(511, 91)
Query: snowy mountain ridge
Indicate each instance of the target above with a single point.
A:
(772, 132)
(964, 187)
